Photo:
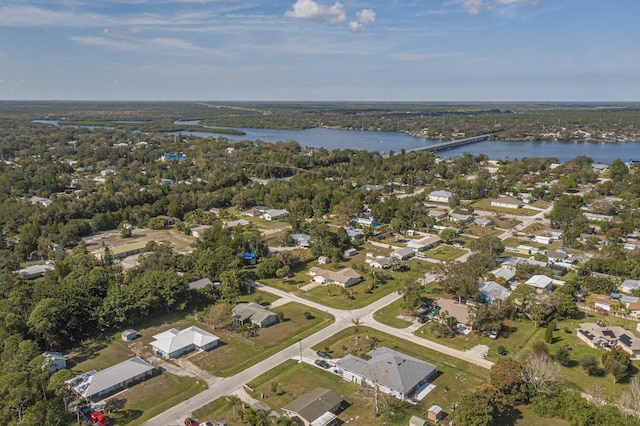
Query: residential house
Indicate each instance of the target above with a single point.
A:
(598, 336)
(315, 408)
(255, 314)
(129, 335)
(603, 303)
(35, 271)
(301, 240)
(95, 384)
(167, 182)
(629, 286)
(355, 233)
(513, 262)
(174, 343)
(423, 243)
(597, 217)
(274, 214)
(440, 196)
(556, 234)
(418, 421)
(558, 256)
(200, 284)
(249, 258)
(323, 260)
(378, 262)
(505, 273)
(483, 221)
(54, 361)
(402, 253)
(256, 211)
(46, 202)
(526, 250)
(491, 291)
(238, 222)
(460, 218)
(460, 311)
(108, 172)
(630, 244)
(542, 239)
(350, 252)
(346, 277)
(540, 282)
(437, 214)
(198, 231)
(392, 372)
(507, 202)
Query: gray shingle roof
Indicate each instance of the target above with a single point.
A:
(389, 368)
(314, 404)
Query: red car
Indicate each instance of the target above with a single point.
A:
(190, 422)
(99, 418)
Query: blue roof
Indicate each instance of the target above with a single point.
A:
(248, 255)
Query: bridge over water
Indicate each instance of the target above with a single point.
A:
(451, 144)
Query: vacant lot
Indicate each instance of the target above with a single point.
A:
(241, 350)
(180, 242)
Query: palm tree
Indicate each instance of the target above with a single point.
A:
(262, 418)
(232, 400)
(285, 421)
(356, 323)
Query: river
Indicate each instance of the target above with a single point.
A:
(384, 142)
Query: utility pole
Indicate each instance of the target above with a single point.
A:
(300, 342)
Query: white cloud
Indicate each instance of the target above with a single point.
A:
(366, 16)
(309, 9)
(475, 7)
(336, 13)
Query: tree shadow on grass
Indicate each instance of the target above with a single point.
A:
(509, 417)
(124, 417)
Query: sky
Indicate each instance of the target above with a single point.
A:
(320, 50)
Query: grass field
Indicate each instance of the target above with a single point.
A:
(239, 352)
(445, 253)
(151, 397)
(389, 315)
(485, 204)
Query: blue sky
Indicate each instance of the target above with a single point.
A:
(320, 50)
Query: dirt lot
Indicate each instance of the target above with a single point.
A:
(179, 241)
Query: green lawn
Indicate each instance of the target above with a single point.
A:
(238, 352)
(445, 252)
(353, 297)
(389, 315)
(217, 409)
(96, 355)
(515, 336)
(457, 376)
(151, 397)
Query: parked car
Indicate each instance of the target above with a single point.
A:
(98, 418)
(404, 268)
(322, 363)
(222, 423)
(190, 422)
(323, 354)
(207, 424)
(423, 319)
(493, 334)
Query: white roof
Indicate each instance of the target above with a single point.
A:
(172, 340)
(441, 193)
(95, 382)
(539, 281)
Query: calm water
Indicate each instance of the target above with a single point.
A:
(396, 141)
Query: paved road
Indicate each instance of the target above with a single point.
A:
(343, 319)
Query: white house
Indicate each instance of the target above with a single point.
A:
(629, 285)
(540, 282)
(345, 277)
(392, 372)
(173, 343)
(507, 202)
(402, 253)
(274, 214)
(440, 196)
(378, 262)
(492, 291)
(54, 361)
(95, 384)
(542, 239)
(424, 243)
(198, 231)
(129, 335)
(35, 271)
